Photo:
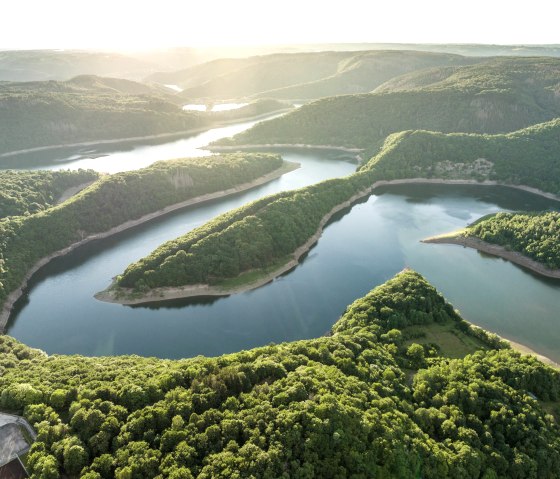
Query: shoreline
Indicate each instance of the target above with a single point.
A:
(198, 290)
(527, 351)
(192, 131)
(275, 146)
(16, 294)
(495, 250)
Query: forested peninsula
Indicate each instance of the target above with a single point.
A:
(376, 398)
(528, 239)
(262, 239)
(116, 202)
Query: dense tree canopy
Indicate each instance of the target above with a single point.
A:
(339, 406)
(28, 192)
(497, 96)
(534, 235)
(529, 157)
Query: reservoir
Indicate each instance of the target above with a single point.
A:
(358, 251)
(362, 247)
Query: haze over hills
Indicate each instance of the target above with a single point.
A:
(495, 96)
(39, 114)
(300, 75)
(39, 65)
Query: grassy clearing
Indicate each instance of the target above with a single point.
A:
(451, 341)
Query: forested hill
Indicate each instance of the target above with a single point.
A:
(535, 235)
(28, 192)
(266, 233)
(529, 157)
(530, 75)
(301, 75)
(497, 96)
(37, 114)
(90, 108)
(372, 400)
(116, 199)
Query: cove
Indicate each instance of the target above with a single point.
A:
(362, 247)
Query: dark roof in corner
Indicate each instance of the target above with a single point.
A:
(13, 470)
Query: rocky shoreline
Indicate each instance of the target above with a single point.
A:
(495, 250)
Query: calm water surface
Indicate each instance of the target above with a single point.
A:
(360, 249)
(112, 158)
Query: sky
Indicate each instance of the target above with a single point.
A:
(141, 24)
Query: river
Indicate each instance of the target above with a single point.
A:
(360, 249)
(125, 156)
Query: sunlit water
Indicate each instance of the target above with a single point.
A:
(175, 88)
(215, 107)
(112, 158)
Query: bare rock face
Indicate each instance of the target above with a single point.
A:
(180, 179)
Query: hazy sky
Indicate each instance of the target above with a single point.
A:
(139, 24)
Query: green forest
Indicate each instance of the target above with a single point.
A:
(268, 231)
(366, 401)
(28, 192)
(535, 235)
(89, 108)
(526, 157)
(497, 96)
(116, 199)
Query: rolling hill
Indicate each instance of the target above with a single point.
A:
(300, 75)
(497, 96)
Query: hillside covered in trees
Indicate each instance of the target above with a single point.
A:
(28, 192)
(89, 109)
(38, 114)
(535, 235)
(116, 199)
(300, 75)
(497, 96)
(530, 156)
(266, 233)
(370, 400)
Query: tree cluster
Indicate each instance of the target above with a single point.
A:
(28, 192)
(334, 407)
(533, 234)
